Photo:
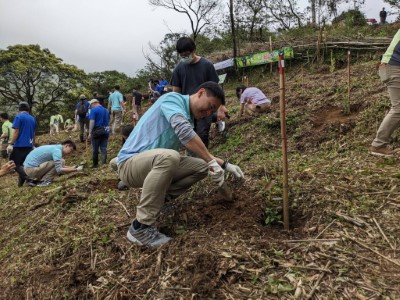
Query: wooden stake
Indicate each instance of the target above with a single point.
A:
(270, 49)
(284, 140)
(348, 80)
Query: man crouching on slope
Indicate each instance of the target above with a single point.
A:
(150, 159)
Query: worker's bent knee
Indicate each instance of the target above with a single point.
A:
(168, 158)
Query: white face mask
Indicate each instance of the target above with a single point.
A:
(187, 60)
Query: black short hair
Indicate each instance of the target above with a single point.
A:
(23, 106)
(126, 131)
(69, 142)
(4, 116)
(240, 87)
(185, 44)
(116, 87)
(213, 89)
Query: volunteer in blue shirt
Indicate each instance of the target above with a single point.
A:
(117, 106)
(150, 159)
(45, 162)
(98, 131)
(23, 140)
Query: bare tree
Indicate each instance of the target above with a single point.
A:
(285, 13)
(251, 16)
(163, 58)
(321, 10)
(200, 12)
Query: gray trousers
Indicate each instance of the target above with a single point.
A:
(390, 75)
(116, 121)
(45, 171)
(160, 172)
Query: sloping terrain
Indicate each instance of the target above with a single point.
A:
(68, 240)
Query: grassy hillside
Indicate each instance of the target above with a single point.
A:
(68, 240)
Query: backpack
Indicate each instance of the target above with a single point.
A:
(81, 111)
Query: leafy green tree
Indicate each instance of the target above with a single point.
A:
(37, 76)
(325, 9)
(104, 82)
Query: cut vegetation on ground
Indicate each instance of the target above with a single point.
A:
(69, 240)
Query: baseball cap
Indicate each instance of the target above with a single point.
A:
(93, 101)
(23, 105)
(82, 97)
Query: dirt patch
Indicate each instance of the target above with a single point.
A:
(333, 115)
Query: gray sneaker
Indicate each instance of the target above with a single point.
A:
(147, 236)
(44, 183)
(122, 186)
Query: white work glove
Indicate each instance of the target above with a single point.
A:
(216, 172)
(10, 149)
(80, 168)
(235, 170)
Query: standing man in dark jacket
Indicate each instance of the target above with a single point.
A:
(23, 140)
(188, 75)
(382, 15)
(81, 111)
(98, 131)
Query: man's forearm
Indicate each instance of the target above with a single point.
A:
(91, 126)
(67, 169)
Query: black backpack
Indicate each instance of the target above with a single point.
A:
(81, 111)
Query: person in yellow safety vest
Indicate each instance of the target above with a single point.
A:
(55, 120)
(7, 133)
(69, 125)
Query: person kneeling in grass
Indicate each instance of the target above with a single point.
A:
(252, 101)
(45, 162)
(149, 159)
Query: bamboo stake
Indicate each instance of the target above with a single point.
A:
(284, 140)
(87, 148)
(270, 49)
(347, 110)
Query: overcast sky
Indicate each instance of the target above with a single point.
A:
(99, 35)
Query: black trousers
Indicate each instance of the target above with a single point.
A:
(18, 155)
(202, 128)
(84, 123)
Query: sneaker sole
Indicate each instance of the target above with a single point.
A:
(133, 239)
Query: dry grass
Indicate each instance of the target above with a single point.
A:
(69, 242)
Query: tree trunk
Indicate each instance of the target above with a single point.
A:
(313, 13)
(234, 43)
